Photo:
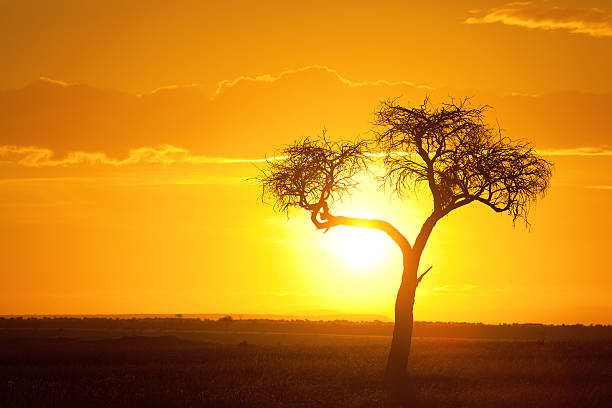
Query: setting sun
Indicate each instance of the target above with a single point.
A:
(360, 249)
(319, 203)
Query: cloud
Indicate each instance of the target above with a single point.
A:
(538, 15)
(315, 294)
(53, 123)
(579, 151)
(492, 289)
(55, 81)
(30, 156)
(222, 85)
(251, 119)
(168, 154)
(600, 187)
(564, 123)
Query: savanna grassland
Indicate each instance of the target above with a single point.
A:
(258, 363)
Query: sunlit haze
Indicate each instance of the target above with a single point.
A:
(130, 136)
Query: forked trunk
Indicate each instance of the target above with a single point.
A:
(402, 331)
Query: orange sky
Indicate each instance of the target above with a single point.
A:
(128, 129)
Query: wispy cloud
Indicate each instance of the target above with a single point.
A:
(166, 154)
(491, 289)
(54, 81)
(317, 294)
(544, 16)
(30, 156)
(600, 187)
(272, 78)
(578, 151)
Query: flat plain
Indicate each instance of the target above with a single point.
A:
(181, 362)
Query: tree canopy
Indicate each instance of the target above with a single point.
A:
(460, 157)
(450, 148)
(311, 173)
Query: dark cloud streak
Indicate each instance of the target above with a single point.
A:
(71, 124)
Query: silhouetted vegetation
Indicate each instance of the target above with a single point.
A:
(181, 326)
(450, 150)
(173, 362)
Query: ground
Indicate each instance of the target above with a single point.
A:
(99, 367)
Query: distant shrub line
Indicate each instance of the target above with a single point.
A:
(514, 331)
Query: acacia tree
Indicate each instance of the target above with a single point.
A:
(449, 149)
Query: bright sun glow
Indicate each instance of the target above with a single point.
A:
(361, 249)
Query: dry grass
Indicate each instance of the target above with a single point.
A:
(40, 370)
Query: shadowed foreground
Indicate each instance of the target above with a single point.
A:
(70, 368)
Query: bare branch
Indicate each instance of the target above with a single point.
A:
(313, 172)
(422, 275)
(330, 221)
(460, 157)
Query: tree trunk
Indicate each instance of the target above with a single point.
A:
(402, 330)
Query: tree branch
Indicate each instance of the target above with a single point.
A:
(426, 228)
(422, 275)
(329, 221)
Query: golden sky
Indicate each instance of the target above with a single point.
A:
(128, 130)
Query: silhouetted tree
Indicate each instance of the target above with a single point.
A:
(450, 149)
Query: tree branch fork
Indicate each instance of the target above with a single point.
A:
(324, 220)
